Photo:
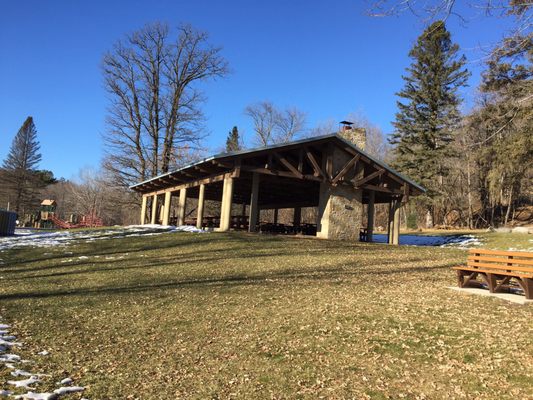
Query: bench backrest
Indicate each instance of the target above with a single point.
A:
(509, 261)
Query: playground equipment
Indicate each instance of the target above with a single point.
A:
(48, 218)
(85, 221)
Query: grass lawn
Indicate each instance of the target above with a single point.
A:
(184, 315)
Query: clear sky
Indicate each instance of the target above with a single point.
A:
(328, 58)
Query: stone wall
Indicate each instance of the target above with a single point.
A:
(355, 135)
(340, 209)
(340, 213)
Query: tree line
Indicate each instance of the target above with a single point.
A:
(476, 166)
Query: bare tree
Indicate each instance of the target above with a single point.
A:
(430, 10)
(272, 125)
(324, 128)
(264, 117)
(376, 143)
(151, 77)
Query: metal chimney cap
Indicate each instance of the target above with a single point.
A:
(346, 123)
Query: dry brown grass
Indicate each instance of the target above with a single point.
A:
(250, 316)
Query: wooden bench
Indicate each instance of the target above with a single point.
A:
(497, 269)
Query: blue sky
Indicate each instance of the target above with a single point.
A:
(328, 59)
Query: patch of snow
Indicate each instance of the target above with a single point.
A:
(66, 381)
(7, 343)
(25, 383)
(37, 396)
(5, 393)
(43, 353)
(49, 239)
(69, 389)
(83, 258)
(20, 372)
(9, 358)
(4, 326)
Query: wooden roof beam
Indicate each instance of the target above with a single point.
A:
(382, 189)
(369, 177)
(288, 165)
(345, 169)
(314, 163)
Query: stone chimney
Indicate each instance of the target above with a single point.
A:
(354, 135)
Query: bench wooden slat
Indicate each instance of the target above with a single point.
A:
(500, 260)
(492, 271)
(523, 254)
(479, 265)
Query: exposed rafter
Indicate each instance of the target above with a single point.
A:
(345, 169)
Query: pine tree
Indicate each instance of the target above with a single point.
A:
(429, 111)
(21, 162)
(233, 142)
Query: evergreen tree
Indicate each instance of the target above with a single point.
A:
(20, 164)
(429, 112)
(233, 142)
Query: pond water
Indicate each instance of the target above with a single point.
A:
(461, 241)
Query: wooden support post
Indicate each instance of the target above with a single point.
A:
(253, 218)
(166, 208)
(143, 210)
(297, 219)
(222, 208)
(396, 223)
(276, 212)
(370, 216)
(181, 206)
(200, 208)
(390, 223)
(227, 197)
(154, 209)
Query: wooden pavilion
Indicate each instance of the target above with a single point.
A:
(330, 172)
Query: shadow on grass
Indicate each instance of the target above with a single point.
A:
(329, 274)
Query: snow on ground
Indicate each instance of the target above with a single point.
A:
(459, 241)
(30, 378)
(35, 238)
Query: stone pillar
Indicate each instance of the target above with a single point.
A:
(143, 210)
(339, 212)
(181, 206)
(297, 216)
(370, 216)
(200, 208)
(340, 207)
(253, 217)
(166, 208)
(227, 197)
(276, 213)
(154, 209)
